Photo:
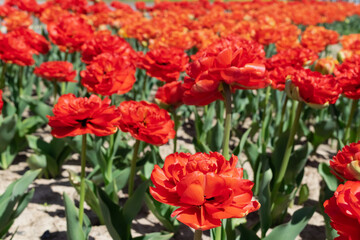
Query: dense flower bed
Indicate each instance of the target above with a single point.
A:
(114, 83)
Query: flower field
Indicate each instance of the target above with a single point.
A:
(179, 120)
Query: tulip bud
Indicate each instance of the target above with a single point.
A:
(326, 65)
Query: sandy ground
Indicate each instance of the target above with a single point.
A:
(44, 217)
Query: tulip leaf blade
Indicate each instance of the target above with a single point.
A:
(118, 227)
(74, 230)
(330, 180)
(134, 203)
(7, 131)
(265, 197)
(14, 200)
(293, 228)
(246, 233)
(297, 162)
(155, 236)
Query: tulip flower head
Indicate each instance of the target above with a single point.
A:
(236, 62)
(343, 210)
(346, 163)
(59, 71)
(348, 76)
(146, 122)
(77, 116)
(313, 88)
(164, 64)
(205, 187)
(109, 74)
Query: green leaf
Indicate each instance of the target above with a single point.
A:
(330, 180)
(247, 234)
(29, 125)
(133, 204)
(216, 137)
(200, 146)
(304, 194)
(209, 118)
(39, 107)
(90, 193)
(265, 198)
(36, 161)
(23, 202)
(121, 177)
(252, 152)
(7, 131)
(155, 236)
(279, 151)
(293, 228)
(23, 183)
(74, 230)
(116, 224)
(157, 213)
(239, 148)
(325, 128)
(14, 200)
(8, 156)
(323, 131)
(297, 162)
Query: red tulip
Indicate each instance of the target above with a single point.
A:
(16, 50)
(146, 122)
(343, 210)
(34, 40)
(317, 38)
(346, 163)
(70, 33)
(164, 64)
(59, 71)
(238, 63)
(17, 19)
(170, 94)
(279, 75)
(104, 42)
(326, 65)
(77, 116)
(205, 187)
(109, 74)
(295, 57)
(313, 88)
(348, 76)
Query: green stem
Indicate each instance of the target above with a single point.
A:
(197, 235)
(82, 177)
(218, 233)
(288, 149)
(111, 159)
(227, 126)
(66, 55)
(144, 88)
(351, 116)
(55, 90)
(279, 131)
(63, 88)
(20, 77)
(267, 95)
(133, 168)
(2, 78)
(176, 126)
(293, 112)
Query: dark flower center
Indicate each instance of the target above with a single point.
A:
(209, 199)
(83, 122)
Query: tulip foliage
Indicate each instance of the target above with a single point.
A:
(256, 86)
